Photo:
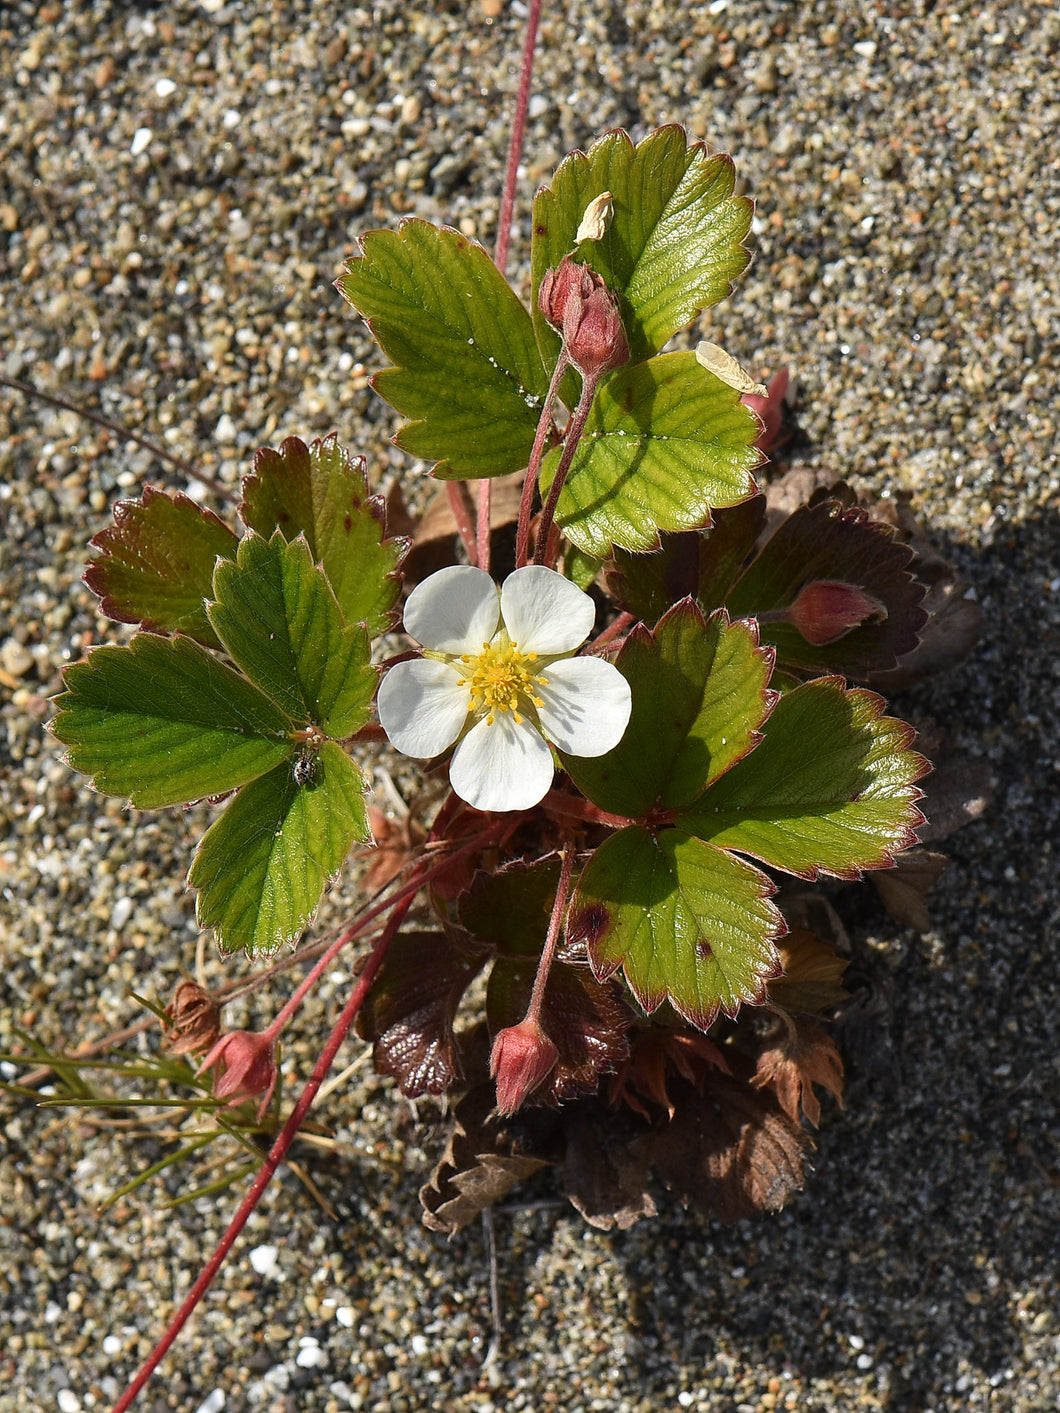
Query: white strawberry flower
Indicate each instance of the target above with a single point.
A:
(498, 678)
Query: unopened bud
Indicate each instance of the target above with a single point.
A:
(249, 1059)
(576, 301)
(568, 281)
(594, 337)
(770, 409)
(828, 608)
(522, 1058)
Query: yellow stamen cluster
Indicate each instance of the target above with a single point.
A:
(499, 675)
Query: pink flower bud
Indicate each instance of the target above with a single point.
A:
(593, 334)
(576, 301)
(249, 1059)
(522, 1058)
(770, 408)
(827, 608)
(567, 283)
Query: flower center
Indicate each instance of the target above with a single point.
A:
(498, 677)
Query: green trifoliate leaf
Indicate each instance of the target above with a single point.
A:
(321, 492)
(665, 443)
(830, 789)
(468, 374)
(162, 722)
(261, 868)
(673, 245)
(687, 922)
(700, 696)
(156, 562)
(281, 623)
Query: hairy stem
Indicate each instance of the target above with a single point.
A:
(544, 424)
(559, 907)
(455, 491)
(485, 497)
(606, 637)
(125, 432)
(572, 437)
(515, 147)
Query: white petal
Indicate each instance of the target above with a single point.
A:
(454, 611)
(545, 613)
(421, 707)
(587, 706)
(505, 766)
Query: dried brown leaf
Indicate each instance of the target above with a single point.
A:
(605, 1167)
(478, 1168)
(813, 973)
(730, 1151)
(902, 889)
(800, 1056)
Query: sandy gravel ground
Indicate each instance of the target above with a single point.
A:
(179, 185)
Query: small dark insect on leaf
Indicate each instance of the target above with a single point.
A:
(305, 769)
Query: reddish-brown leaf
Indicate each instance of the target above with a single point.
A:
(410, 1009)
(730, 1151)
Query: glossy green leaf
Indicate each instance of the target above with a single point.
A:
(321, 491)
(162, 721)
(830, 789)
(699, 689)
(686, 922)
(261, 868)
(155, 565)
(468, 374)
(281, 623)
(665, 443)
(674, 245)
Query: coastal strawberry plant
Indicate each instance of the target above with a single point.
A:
(653, 713)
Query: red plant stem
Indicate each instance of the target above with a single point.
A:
(454, 490)
(401, 903)
(559, 905)
(544, 423)
(276, 1155)
(485, 496)
(614, 629)
(127, 433)
(572, 437)
(515, 147)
